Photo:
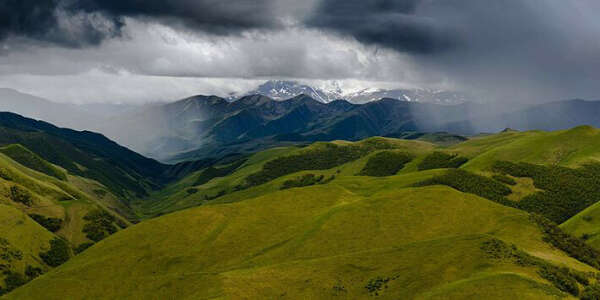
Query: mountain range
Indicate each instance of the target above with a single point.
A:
(201, 127)
(210, 126)
(283, 90)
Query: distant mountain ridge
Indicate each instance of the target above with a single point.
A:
(201, 127)
(206, 126)
(282, 90)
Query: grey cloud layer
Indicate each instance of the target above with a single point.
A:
(389, 23)
(75, 23)
(542, 49)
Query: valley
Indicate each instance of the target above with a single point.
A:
(486, 216)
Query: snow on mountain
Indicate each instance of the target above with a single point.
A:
(282, 90)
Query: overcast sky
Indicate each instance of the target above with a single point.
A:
(134, 51)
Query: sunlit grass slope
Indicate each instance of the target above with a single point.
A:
(325, 241)
(569, 148)
(67, 200)
(586, 225)
(186, 193)
(21, 241)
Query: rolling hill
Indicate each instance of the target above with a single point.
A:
(382, 217)
(47, 215)
(63, 190)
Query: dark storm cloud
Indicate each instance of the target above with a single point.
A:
(47, 21)
(215, 16)
(389, 23)
(545, 49)
(73, 23)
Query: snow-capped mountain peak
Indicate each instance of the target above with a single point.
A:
(283, 89)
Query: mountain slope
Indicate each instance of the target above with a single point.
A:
(84, 153)
(45, 217)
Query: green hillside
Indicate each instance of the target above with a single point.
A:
(46, 215)
(379, 218)
(21, 242)
(319, 241)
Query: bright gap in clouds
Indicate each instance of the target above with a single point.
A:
(154, 62)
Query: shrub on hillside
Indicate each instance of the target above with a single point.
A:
(8, 253)
(221, 193)
(571, 245)
(82, 247)
(504, 179)
(498, 249)
(213, 172)
(591, 292)
(12, 281)
(386, 163)
(561, 278)
(20, 195)
(52, 224)
(58, 254)
(99, 225)
(304, 180)
(441, 160)
(33, 272)
(5, 174)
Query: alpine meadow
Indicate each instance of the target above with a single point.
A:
(280, 149)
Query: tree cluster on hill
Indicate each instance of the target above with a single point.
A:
(58, 253)
(385, 163)
(99, 225)
(325, 157)
(20, 195)
(468, 182)
(571, 245)
(566, 191)
(565, 279)
(306, 180)
(441, 160)
(52, 224)
(213, 172)
(504, 179)
(82, 247)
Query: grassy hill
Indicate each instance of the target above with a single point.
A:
(47, 215)
(322, 241)
(82, 153)
(378, 218)
(469, 220)
(21, 242)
